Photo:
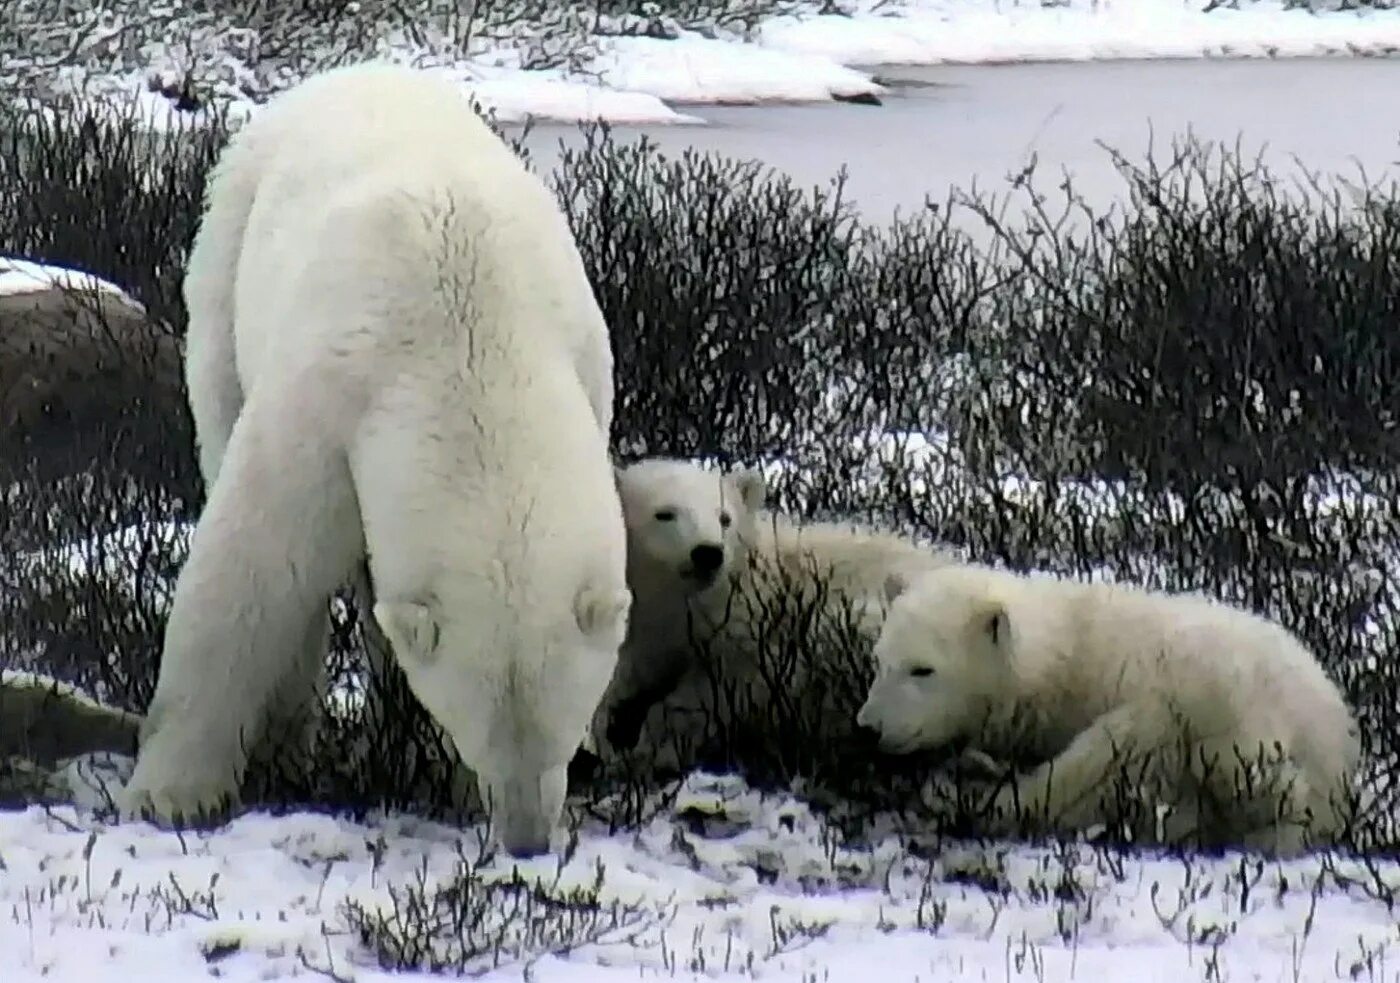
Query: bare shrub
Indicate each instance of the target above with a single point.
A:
(1114, 399)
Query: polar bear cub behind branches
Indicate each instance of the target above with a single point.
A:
(394, 352)
(1219, 715)
(724, 587)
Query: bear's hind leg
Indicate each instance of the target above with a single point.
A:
(1254, 796)
(1111, 770)
(216, 398)
(279, 533)
(211, 364)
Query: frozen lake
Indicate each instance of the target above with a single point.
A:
(947, 125)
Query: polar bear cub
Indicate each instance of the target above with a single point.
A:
(710, 569)
(1219, 715)
(689, 530)
(394, 352)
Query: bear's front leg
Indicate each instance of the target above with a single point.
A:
(1084, 785)
(279, 532)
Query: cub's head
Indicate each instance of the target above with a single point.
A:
(943, 658)
(688, 525)
(514, 690)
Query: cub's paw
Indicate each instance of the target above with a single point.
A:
(982, 766)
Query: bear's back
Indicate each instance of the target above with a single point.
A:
(385, 205)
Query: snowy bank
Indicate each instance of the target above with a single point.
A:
(931, 32)
(605, 69)
(19, 277)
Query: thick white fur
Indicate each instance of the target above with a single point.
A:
(670, 507)
(775, 568)
(393, 350)
(1083, 677)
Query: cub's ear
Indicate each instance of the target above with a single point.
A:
(601, 612)
(993, 622)
(753, 488)
(410, 627)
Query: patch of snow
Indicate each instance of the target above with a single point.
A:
(518, 96)
(20, 276)
(128, 95)
(89, 781)
(24, 679)
(695, 70)
(727, 884)
(118, 557)
(927, 32)
(515, 94)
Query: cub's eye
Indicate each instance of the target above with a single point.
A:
(725, 519)
(666, 515)
(921, 672)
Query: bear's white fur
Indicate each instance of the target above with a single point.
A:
(393, 351)
(688, 532)
(773, 572)
(1084, 677)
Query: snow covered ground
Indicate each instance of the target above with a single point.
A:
(928, 32)
(19, 276)
(801, 57)
(725, 884)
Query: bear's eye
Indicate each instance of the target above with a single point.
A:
(725, 519)
(921, 672)
(666, 515)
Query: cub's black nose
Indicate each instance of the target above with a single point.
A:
(707, 558)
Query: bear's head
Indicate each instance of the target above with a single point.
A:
(942, 658)
(515, 695)
(688, 526)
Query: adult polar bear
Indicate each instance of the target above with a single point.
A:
(393, 350)
(1215, 712)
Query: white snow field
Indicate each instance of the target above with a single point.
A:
(743, 886)
(612, 72)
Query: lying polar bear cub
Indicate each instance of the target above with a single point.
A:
(1241, 732)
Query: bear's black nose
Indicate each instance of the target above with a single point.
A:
(706, 558)
(867, 738)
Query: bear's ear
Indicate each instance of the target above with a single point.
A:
(600, 612)
(993, 622)
(753, 488)
(896, 583)
(410, 627)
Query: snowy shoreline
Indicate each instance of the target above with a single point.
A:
(625, 77)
